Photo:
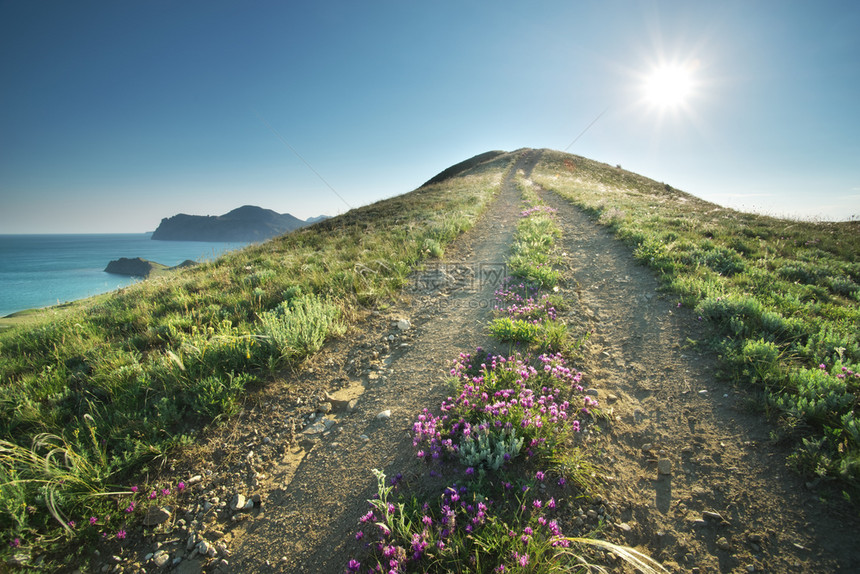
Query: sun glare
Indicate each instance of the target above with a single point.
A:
(669, 85)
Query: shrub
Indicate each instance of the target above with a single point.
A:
(298, 327)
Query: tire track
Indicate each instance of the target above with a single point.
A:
(310, 518)
(729, 503)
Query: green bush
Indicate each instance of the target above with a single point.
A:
(297, 328)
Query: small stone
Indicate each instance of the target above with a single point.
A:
(647, 447)
(364, 437)
(192, 540)
(724, 544)
(664, 466)
(203, 547)
(386, 414)
(611, 398)
(194, 479)
(156, 515)
(267, 440)
(404, 324)
(624, 527)
(754, 537)
(222, 549)
(703, 392)
(325, 407)
(161, 558)
(237, 503)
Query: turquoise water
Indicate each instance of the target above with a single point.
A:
(43, 270)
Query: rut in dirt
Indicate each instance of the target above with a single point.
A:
(309, 521)
(729, 503)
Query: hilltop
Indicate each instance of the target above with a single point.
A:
(248, 223)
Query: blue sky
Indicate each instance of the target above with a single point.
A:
(116, 114)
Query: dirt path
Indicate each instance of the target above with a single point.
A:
(307, 522)
(667, 404)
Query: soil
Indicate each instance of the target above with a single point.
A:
(727, 504)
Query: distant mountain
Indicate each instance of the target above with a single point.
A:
(248, 223)
(310, 220)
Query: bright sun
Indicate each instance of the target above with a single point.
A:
(669, 86)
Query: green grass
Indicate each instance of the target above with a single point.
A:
(782, 295)
(97, 390)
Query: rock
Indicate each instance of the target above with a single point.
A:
(203, 547)
(647, 447)
(624, 527)
(611, 398)
(194, 480)
(364, 437)
(319, 427)
(161, 558)
(592, 392)
(755, 538)
(192, 540)
(136, 267)
(249, 504)
(664, 466)
(325, 407)
(156, 515)
(222, 549)
(404, 324)
(386, 414)
(724, 544)
(237, 503)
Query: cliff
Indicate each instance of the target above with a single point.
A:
(244, 224)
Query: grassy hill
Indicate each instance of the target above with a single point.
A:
(96, 390)
(93, 391)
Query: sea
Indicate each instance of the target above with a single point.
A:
(44, 270)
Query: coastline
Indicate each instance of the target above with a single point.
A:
(46, 271)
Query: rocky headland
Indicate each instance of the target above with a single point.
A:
(139, 267)
(248, 223)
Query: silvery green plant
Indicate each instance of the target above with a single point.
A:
(489, 447)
